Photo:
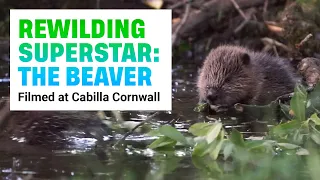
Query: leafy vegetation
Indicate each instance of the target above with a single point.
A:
(287, 142)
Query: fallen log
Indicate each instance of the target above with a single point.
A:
(197, 18)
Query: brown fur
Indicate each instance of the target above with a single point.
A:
(234, 74)
(52, 129)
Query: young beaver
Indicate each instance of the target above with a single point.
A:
(233, 74)
(52, 130)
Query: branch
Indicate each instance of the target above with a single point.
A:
(184, 19)
(149, 118)
(212, 8)
(235, 4)
(298, 46)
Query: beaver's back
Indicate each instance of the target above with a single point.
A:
(51, 129)
(277, 76)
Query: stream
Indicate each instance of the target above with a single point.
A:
(83, 159)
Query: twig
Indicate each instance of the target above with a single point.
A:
(173, 121)
(245, 22)
(273, 27)
(184, 19)
(149, 118)
(241, 26)
(275, 50)
(265, 8)
(272, 42)
(209, 43)
(235, 4)
(247, 17)
(298, 46)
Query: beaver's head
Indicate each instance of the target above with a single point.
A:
(226, 77)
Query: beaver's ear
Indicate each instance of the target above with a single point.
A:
(245, 58)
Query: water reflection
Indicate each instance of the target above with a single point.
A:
(83, 157)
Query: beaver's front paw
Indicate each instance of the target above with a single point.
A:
(309, 68)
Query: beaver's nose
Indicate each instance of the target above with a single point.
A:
(211, 97)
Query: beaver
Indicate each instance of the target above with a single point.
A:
(234, 74)
(51, 129)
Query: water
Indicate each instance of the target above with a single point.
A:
(77, 156)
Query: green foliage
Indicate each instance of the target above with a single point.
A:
(172, 133)
(162, 142)
(210, 140)
(169, 137)
(201, 107)
(300, 129)
(313, 101)
(200, 129)
(298, 103)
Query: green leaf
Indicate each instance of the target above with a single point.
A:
(302, 152)
(315, 137)
(204, 163)
(297, 137)
(227, 150)
(216, 148)
(212, 149)
(200, 129)
(154, 132)
(201, 107)
(314, 117)
(191, 141)
(285, 109)
(172, 133)
(263, 148)
(236, 138)
(200, 149)
(162, 142)
(259, 146)
(298, 103)
(214, 132)
(314, 98)
(285, 128)
(199, 139)
(254, 143)
(315, 134)
(288, 145)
